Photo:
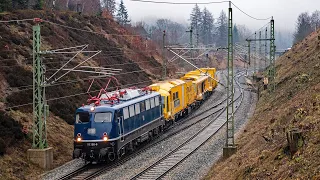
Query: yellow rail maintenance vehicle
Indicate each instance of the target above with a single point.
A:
(200, 83)
(177, 98)
(213, 80)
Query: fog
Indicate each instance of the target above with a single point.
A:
(285, 12)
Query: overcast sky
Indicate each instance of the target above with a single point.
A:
(285, 12)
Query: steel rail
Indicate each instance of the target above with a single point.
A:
(164, 165)
(83, 170)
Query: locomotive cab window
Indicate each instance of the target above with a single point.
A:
(82, 117)
(103, 117)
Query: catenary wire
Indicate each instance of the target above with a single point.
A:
(259, 19)
(64, 97)
(186, 3)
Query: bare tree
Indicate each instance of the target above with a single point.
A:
(315, 20)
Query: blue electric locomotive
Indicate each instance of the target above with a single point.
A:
(115, 123)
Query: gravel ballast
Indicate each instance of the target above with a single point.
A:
(194, 167)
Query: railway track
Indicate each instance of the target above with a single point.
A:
(90, 171)
(164, 165)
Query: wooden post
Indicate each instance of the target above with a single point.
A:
(295, 140)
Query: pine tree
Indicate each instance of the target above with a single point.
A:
(222, 30)
(207, 27)
(110, 6)
(195, 18)
(303, 27)
(122, 15)
(236, 35)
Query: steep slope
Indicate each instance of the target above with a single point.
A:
(262, 147)
(140, 66)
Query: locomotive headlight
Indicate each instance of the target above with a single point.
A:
(92, 108)
(105, 136)
(79, 139)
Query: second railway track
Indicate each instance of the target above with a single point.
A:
(92, 171)
(168, 162)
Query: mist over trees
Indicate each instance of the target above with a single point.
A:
(306, 24)
(222, 30)
(206, 29)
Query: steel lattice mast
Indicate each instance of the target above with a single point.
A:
(164, 58)
(230, 88)
(254, 52)
(272, 70)
(260, 53)
(39, 102)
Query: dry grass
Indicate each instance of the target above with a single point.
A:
(14, 164)
(296, 103)
(15, 73)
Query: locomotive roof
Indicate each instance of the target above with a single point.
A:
(121, 104)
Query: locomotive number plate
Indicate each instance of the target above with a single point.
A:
(92, 144)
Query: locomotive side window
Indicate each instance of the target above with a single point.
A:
(137, 107)
(125, 113)
(152, 102)
(156, 101)
(82, 117)
(142, 106)
(131, 109)
(103, 117)
(147, 104)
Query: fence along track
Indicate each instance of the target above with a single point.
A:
(161, 167)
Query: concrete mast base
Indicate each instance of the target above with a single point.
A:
(229, 151)
(41, 157)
